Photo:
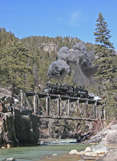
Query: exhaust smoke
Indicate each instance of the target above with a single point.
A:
(78, 61)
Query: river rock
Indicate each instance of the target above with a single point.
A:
(85, 157)
(8, 146)
(88, 149)
(92, 154)
(100, 148)
(54, 155)
(81, 153)
(73, 151)
(10, 159)
(110, 156)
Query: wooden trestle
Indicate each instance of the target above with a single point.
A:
(59, 98)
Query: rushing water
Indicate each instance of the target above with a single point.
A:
(41, 153)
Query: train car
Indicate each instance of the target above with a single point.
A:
(80, 92)
(66, 89)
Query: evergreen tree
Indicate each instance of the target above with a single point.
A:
(13, 65)
(102, 36)
(107, 63)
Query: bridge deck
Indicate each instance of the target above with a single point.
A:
(59, 98)
(63, 97)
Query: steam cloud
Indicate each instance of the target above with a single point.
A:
(78, 61)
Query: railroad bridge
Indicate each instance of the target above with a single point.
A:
(48, 97)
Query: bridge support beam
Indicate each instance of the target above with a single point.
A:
(35, 104)
(47, 105)
(87, 114)
(68, 107)
(78, 108)
(104, 114)
(22, 94)
(26, 101)
(25, 104)
(95, 110)
(58, 105)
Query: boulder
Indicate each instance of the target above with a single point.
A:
(73, 151)
(111, 137)
(110, 156)
(100, 148)
(81, 153)
(88, 149)
(108, 135)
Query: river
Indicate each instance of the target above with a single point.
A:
(43, 152)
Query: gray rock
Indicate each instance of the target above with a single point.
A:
(88, 149)
(111, 137)
(95, 139)
(107, 135)
(110, 156)
(85, 157)
(99, 148)
(113, 127)
(73, 151)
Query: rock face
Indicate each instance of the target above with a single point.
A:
(7, 129)
(111, 137)
(26, 128)
(49, 46)
(107, 136)
(18, 130)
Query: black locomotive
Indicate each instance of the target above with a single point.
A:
(66, 89)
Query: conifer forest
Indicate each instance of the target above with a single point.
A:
(24, 64)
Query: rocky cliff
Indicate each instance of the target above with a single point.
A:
(17, 129)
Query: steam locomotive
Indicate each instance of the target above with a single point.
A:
(65, 89)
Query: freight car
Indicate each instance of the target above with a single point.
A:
(66, 89)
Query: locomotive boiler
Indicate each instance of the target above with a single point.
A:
(66, 89)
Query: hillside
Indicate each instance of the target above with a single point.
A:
(44, 52)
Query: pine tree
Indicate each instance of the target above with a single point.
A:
(107, 63)
(102, 36)
(13, 65)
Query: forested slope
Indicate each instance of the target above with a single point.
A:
(42, 51)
